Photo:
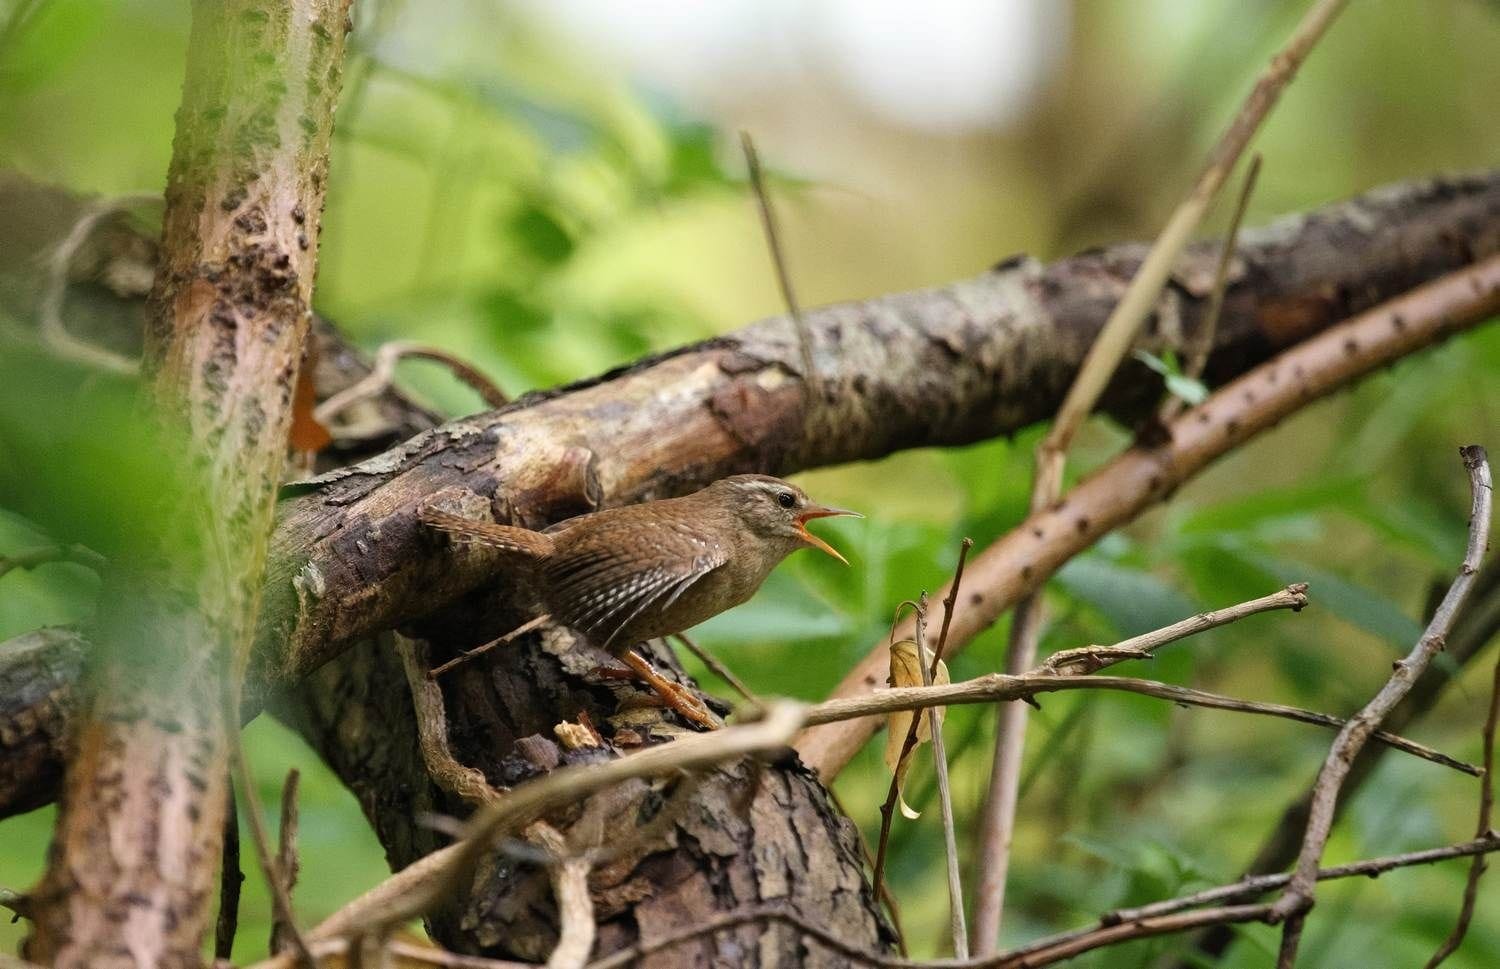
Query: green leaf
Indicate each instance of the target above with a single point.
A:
(1133, 600)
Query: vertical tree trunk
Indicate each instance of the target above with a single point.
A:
(131, 875)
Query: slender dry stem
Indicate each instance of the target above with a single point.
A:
(281, 902)
(1481, 830)
(569, 872)
(1294, 903)
(1002, 686)
(778, 260)
(997, 819)
(1203, 340)
(893, 792)
(460, 780)
(231, 878)
(383, 371)
(287, 864)
(480, 650)
(717, 667)
(945, 794)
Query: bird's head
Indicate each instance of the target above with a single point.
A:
(777, 510)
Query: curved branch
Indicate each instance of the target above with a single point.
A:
(1148, 473)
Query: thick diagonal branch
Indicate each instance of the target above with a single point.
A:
(978, 358)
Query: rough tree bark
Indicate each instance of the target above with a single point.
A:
(131, 871)
(978, 358)
(971, 353)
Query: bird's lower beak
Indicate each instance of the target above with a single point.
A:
(819, 511)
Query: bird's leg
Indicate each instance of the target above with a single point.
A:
(672, 694)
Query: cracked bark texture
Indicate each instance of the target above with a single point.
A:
(130, 879)
(746, 835)
(981, 357)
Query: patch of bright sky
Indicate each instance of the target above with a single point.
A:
(942, 65)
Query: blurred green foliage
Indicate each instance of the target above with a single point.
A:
(496, 192)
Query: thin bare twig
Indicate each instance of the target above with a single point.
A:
(888, 808)
(1481, 830)
(1294, 903)
(460, 780)
(383, 371)
(54, 331)
(575, 907)
(286, 859)
(1250, 887)
(811, 383)
(231, 877)
(469, 654)
(1002, 686)
(281, 903)
(717, 667)
(1478, 623)
(1203, 341)
(1088, 659)
(945, 795)
(997, 819)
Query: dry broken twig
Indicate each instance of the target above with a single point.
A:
(383, 371)
(717, 667)
(231, 878)
(480, 650)
(575, 907)
(945, 795)
(460, 780)
(1089, 659)
(283, 932)
(1294, 903)
(1196, 357)
(1482, 829)
(281, 902)
(997, 818)
(778, 261)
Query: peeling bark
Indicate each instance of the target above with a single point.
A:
(130, 880)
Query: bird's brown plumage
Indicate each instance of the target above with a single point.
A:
(625, 575)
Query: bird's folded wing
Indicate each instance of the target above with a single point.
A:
(600, 588)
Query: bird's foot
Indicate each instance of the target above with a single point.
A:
(673, 695)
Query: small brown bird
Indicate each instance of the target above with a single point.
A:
(626, 575)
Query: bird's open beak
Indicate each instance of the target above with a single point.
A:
(818, 511)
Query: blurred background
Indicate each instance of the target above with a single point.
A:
(549, 188)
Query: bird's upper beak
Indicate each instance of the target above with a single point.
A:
(820, 511)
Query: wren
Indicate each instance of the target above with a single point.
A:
(625, 575)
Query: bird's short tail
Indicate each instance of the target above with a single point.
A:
(522, 541)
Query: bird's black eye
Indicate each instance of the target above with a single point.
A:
(785, 499)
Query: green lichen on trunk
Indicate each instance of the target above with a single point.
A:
(131, 876)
